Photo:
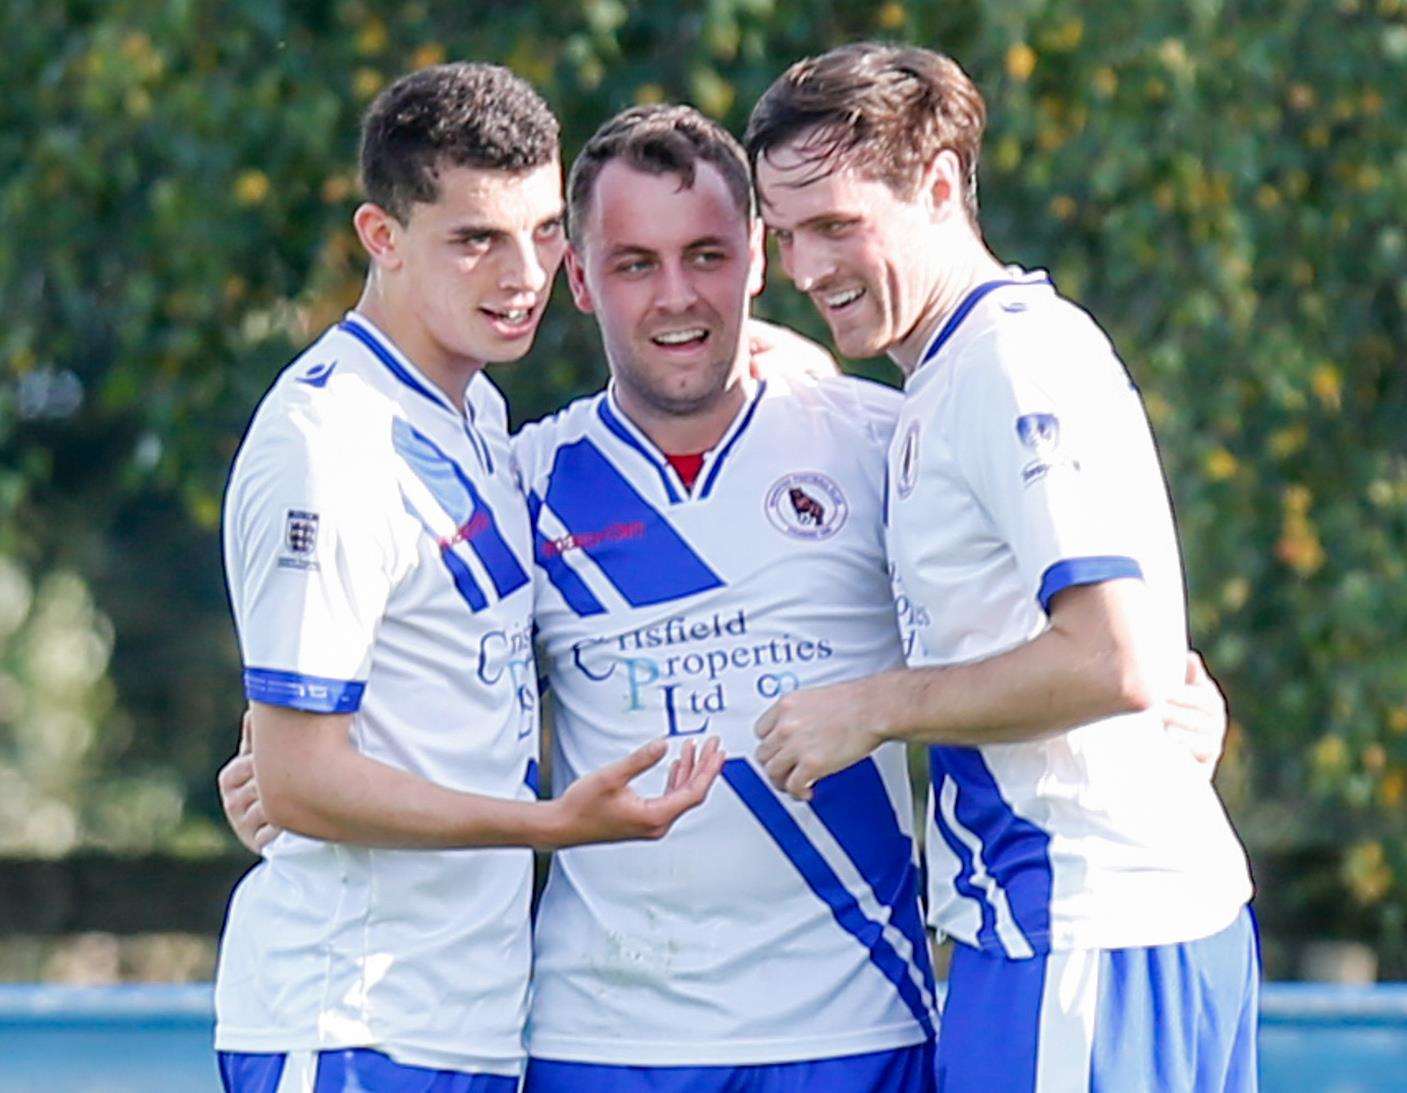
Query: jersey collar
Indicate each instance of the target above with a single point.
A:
(397, 363)
(620, 426)
(944, 334)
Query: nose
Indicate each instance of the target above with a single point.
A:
(806, 264)
(674, 288)
(523, 268)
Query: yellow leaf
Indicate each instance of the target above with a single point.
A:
(366, 82)
(1327, 385)
(1220, 464)
(1106, 82)
(1020, 62)
(431, 53)
(373, 38)
(251, 187)
(891, 16)
(1366, 872)
(1062, 206)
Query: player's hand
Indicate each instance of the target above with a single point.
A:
(811, 733)
(1195, 714)
(239, 796)
(602, 808)
(777, 352)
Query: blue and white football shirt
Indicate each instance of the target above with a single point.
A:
(1022, 464)
(761, 929)
(377, 552)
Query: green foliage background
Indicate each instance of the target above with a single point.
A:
(1222, 183)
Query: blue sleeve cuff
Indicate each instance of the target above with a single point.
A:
(299, 692)
(1073, 571)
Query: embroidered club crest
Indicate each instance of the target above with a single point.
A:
(806, 505)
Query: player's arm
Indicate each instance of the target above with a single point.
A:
(308, 777)
(1087, 665)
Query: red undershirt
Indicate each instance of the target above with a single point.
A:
(687, 467)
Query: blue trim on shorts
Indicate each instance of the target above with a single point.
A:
(900, 1070)
(354, 1070)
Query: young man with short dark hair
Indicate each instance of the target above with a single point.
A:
(379, 562)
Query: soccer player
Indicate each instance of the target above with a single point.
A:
(380, 570)
(706, 542)
(1078, 856)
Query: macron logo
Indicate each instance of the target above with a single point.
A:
(585, 540)
(316, 376)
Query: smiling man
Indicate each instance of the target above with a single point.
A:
(1078, 856)
(379, 562)
(706, 542)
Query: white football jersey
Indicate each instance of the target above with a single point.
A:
(378, 556)
(1022, 464)
(760, 929)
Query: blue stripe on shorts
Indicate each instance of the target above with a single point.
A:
(354, 1070)
(902, 1070)
(1161, 1019)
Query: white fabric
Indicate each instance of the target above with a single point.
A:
(337, 510)
(709, 947)
(1022, 462)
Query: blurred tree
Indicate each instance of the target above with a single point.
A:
(1221, 183)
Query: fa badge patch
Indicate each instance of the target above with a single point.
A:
(300, 540)
(806, 505)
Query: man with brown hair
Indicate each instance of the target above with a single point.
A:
(1077, 855)
(707, 541)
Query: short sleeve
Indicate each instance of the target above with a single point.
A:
(1040, 443)
(309, 558)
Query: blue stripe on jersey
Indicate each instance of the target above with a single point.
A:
(296, 691)
(622, 434)
(855, 808)
(1092, 570)
(360, 1068)
(471, 430)
(463, 578)
(532, 777)
(967, 866)
(251, 1071)
(464, 505)
(1015, 851)
(971, 300)
(563, 577)
(652, 564)
(822, 879)
(386, 357)
(732, 440)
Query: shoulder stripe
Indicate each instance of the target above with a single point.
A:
(549, 559)
(636, 548)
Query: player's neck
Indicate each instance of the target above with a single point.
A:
(451, 374)
(964, 268)
(682, 434)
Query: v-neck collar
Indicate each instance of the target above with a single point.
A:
(633, 437)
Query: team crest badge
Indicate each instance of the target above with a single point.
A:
(907, 477)
(806, 505)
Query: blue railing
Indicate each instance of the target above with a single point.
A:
(136, 1039)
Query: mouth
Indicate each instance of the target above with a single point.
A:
(511, 322)
(841, 300)
(682, 339)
